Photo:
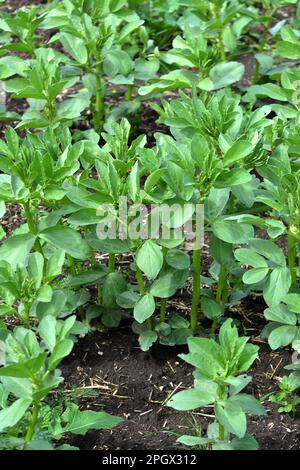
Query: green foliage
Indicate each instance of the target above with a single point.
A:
(219, 379)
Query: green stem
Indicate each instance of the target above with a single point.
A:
(26, 317)
(216, 12)
(163, 302)
(129, 91)
(140, 280)
(292, 256)
(33, 422)
(221, 432)
(32, 227)
(231, 204)
(221, 427)
(262, 46)
(111, 263)
(163, 307)
(196, 289)
(94, 265)
(99, 101)
(222, 285)
(72, 265)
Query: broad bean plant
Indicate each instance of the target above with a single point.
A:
(211, 201)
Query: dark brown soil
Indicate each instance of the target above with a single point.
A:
(13, 5)
(12, 219)
(134, 385)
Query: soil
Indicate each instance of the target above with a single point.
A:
(134, 385)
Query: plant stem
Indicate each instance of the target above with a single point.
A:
(33, 422)
(163, 305)
(99, 101)
(222, 283)
(231, 204)
(221, 432)
(129, 91)
(32, 227)
(216, 12)
(72, 265)
(262, 46)
(196, 289)
(140, 281)
(94, 265)
(163, 302)
(26, 317)
(292, 256)
(111, 263)
(221, 427)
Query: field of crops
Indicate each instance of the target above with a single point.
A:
(149, 225)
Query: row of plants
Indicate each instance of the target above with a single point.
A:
(229, 150)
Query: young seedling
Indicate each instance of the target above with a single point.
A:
(219, 380)
(28, 375)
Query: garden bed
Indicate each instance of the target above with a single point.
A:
(107, 370)
(136, 384)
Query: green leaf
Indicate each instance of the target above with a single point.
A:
(269, 250)
(282, 336)
(16, 249)
(277, 286)
(35, 268)
(226, 73)
(47, 331)
(190, 400)
(288, 49)
(254, 276)
(111, 246)
(20, 388)
(211, 308)
(75, 47)
(232, 417)
(178, 259)
(270, 90)
(24, 369)
(168, 282)
(233, 177)
(60, 351)
(54, 264)
(144, 308)
(248, 442)
(250, 258)
(249, 404)
(146, 339)
(89, 277)
(127, 299)
(66, 239)
(280, 314)
(239, 150)
(113, 286)
(12, 415)
(194, 441)
(80, 422)
(232, 232)
(117, 62)
(150, 259)
(293, 302)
